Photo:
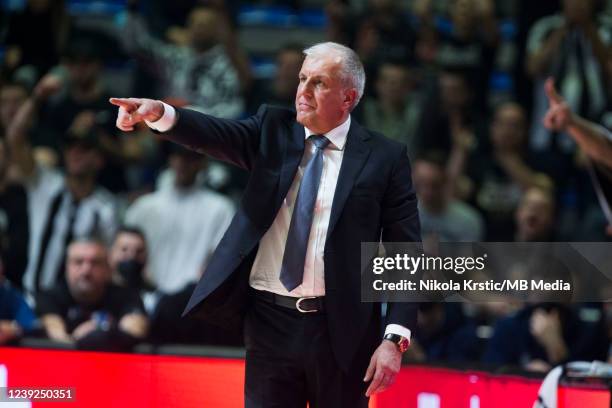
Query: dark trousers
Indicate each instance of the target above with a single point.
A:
(289, 362)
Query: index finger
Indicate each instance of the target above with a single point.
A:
(375, 384)
(551, 91)
(125, 103)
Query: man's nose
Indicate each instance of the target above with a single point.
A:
(306, 88)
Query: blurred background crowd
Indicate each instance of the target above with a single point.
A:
(104, 234)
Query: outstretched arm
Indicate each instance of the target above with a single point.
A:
(595, 140)
(232, 141)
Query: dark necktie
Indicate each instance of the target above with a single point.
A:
(292, 270)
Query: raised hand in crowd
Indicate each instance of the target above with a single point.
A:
(594, 139)
(546, 328)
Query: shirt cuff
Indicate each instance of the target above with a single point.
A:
(166, 122)
(399, 330)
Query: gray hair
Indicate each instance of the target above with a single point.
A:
(92, 239)
(353, 73)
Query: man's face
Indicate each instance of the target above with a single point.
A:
(508, 128)
(578, 11)
(453, 91)
(83, 72)
(429, 183)
(382, 4)
(186, 168)
(11, 99)
(202, 28)
(322, 100)
(38, 5)
(82, 160)
(393, 85)
(534, 215)
(128, 246)
(87, 270)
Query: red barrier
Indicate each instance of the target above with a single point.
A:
(129, 380)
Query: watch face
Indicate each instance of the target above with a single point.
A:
(403, 344)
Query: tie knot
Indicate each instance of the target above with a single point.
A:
(320, 141)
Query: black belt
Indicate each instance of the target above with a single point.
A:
(307, 304)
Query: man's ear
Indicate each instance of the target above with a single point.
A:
(350, 96)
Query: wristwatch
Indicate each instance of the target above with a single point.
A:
(401, 342)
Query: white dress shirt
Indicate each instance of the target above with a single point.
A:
(265, 273)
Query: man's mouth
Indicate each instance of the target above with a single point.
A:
(305, 106)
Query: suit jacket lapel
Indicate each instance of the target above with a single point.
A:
(355, 156)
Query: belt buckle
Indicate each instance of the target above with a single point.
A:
(297, 304)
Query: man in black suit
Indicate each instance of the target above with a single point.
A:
(289, 265)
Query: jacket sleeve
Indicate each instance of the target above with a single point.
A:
(232, 141)
(400, 222)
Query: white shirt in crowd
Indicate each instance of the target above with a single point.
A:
(182, 228)
(48, 196)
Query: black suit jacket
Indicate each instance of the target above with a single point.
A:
(374, 199)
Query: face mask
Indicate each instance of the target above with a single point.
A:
(131, 272)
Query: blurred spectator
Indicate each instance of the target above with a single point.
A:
(16, 317)
(128, 261)
(535, 216)
(204, 72)
(503, 174)
(445, 334)
(465, 35)
(281, 90)
(12, 96)
(14, 230)
(526, 13)
(128, 258)
(13, 200)
(593, 139)
(381, 32)
(35, 36)
(84, 108)
(451, 124)
(91, 311)
(396, 109)
(194, 217)
(165, 17)
(573, 47)
(61, 206)
(450, 116)
(541, 336)
(448, 219)
(170, 17)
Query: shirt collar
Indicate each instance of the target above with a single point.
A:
(337, 136)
